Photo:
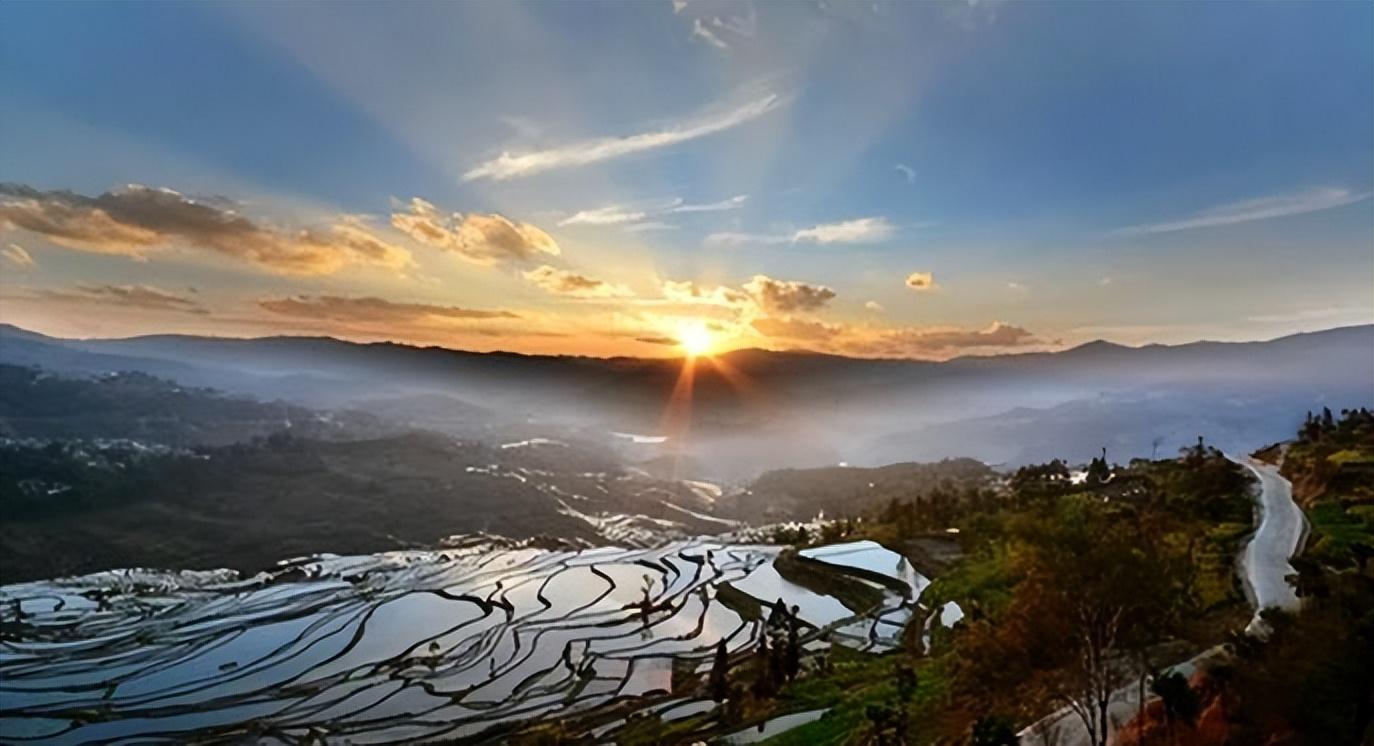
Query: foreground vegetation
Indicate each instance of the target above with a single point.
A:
(1126, 568)
(1077, 585)
(1311, 682)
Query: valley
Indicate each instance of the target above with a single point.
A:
(186, 562)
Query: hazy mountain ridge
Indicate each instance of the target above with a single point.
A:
(795, 408)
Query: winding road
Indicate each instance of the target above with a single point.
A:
(1264, 568)
(1265, 560)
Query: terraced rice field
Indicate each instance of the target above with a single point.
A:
(456, 644)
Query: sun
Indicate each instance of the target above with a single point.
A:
(695, 339)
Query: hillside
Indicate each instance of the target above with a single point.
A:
(802, 494)
(791, 409)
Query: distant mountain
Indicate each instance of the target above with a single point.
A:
(753, 410)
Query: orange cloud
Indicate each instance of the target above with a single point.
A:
(18, 256)
(135, 221)
(921, 281)
(479, 238)
(144, 297)
(787, 295)
(563, 282)
(371, 309)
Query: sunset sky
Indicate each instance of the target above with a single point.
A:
(886, 179)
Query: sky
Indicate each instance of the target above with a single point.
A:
(873, 179)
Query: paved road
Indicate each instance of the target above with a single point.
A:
(1265, 561)
(1264, 568)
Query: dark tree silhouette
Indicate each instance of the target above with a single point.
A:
(720, 673)
(993, 730)
(1181, 703)
(793, 660)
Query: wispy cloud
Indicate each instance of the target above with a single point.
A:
(735, 238)
(18, 256)
(1263, 208)
(887, 341)
(143, 297)
(859, 230)
(721, 25)
(650, 226)
(371, 309)
(703, 32)
(514, 165)
(906, 171)
(643, 212)
(609, 215)
(733, 203)
(1354, 314)
(862, 230)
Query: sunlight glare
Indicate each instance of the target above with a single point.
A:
(695, 338)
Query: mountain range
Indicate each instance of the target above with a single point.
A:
(755, 410)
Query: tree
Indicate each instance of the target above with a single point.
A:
(763, 682)
(907, 681)
(1094, 589)
(993, 730)
(1098, 470)
(793, 662)
(646, 606)
(1181, 703)
(720, 673)
(881, 723)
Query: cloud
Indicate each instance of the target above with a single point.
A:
(997, 334)
(611, 215)
(733, 203)
(796, 329)
(481, 238)
(639, 215)
(510, 166)
(136, 220)
(728, 239)
(1355, 314)
(862, 230)
(877, 340)
(563, 282)
(859, 230)
(787, 295)
(720, 24)
(650, 226)
(921, 281)
(874, 306)
(1263, 208)
(658, 340)
(1017, 287)
(700, 31)
(145, 297)
(18, 256)
(1105, 281)
(371, 309)
(906, 171)
(689, 292)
